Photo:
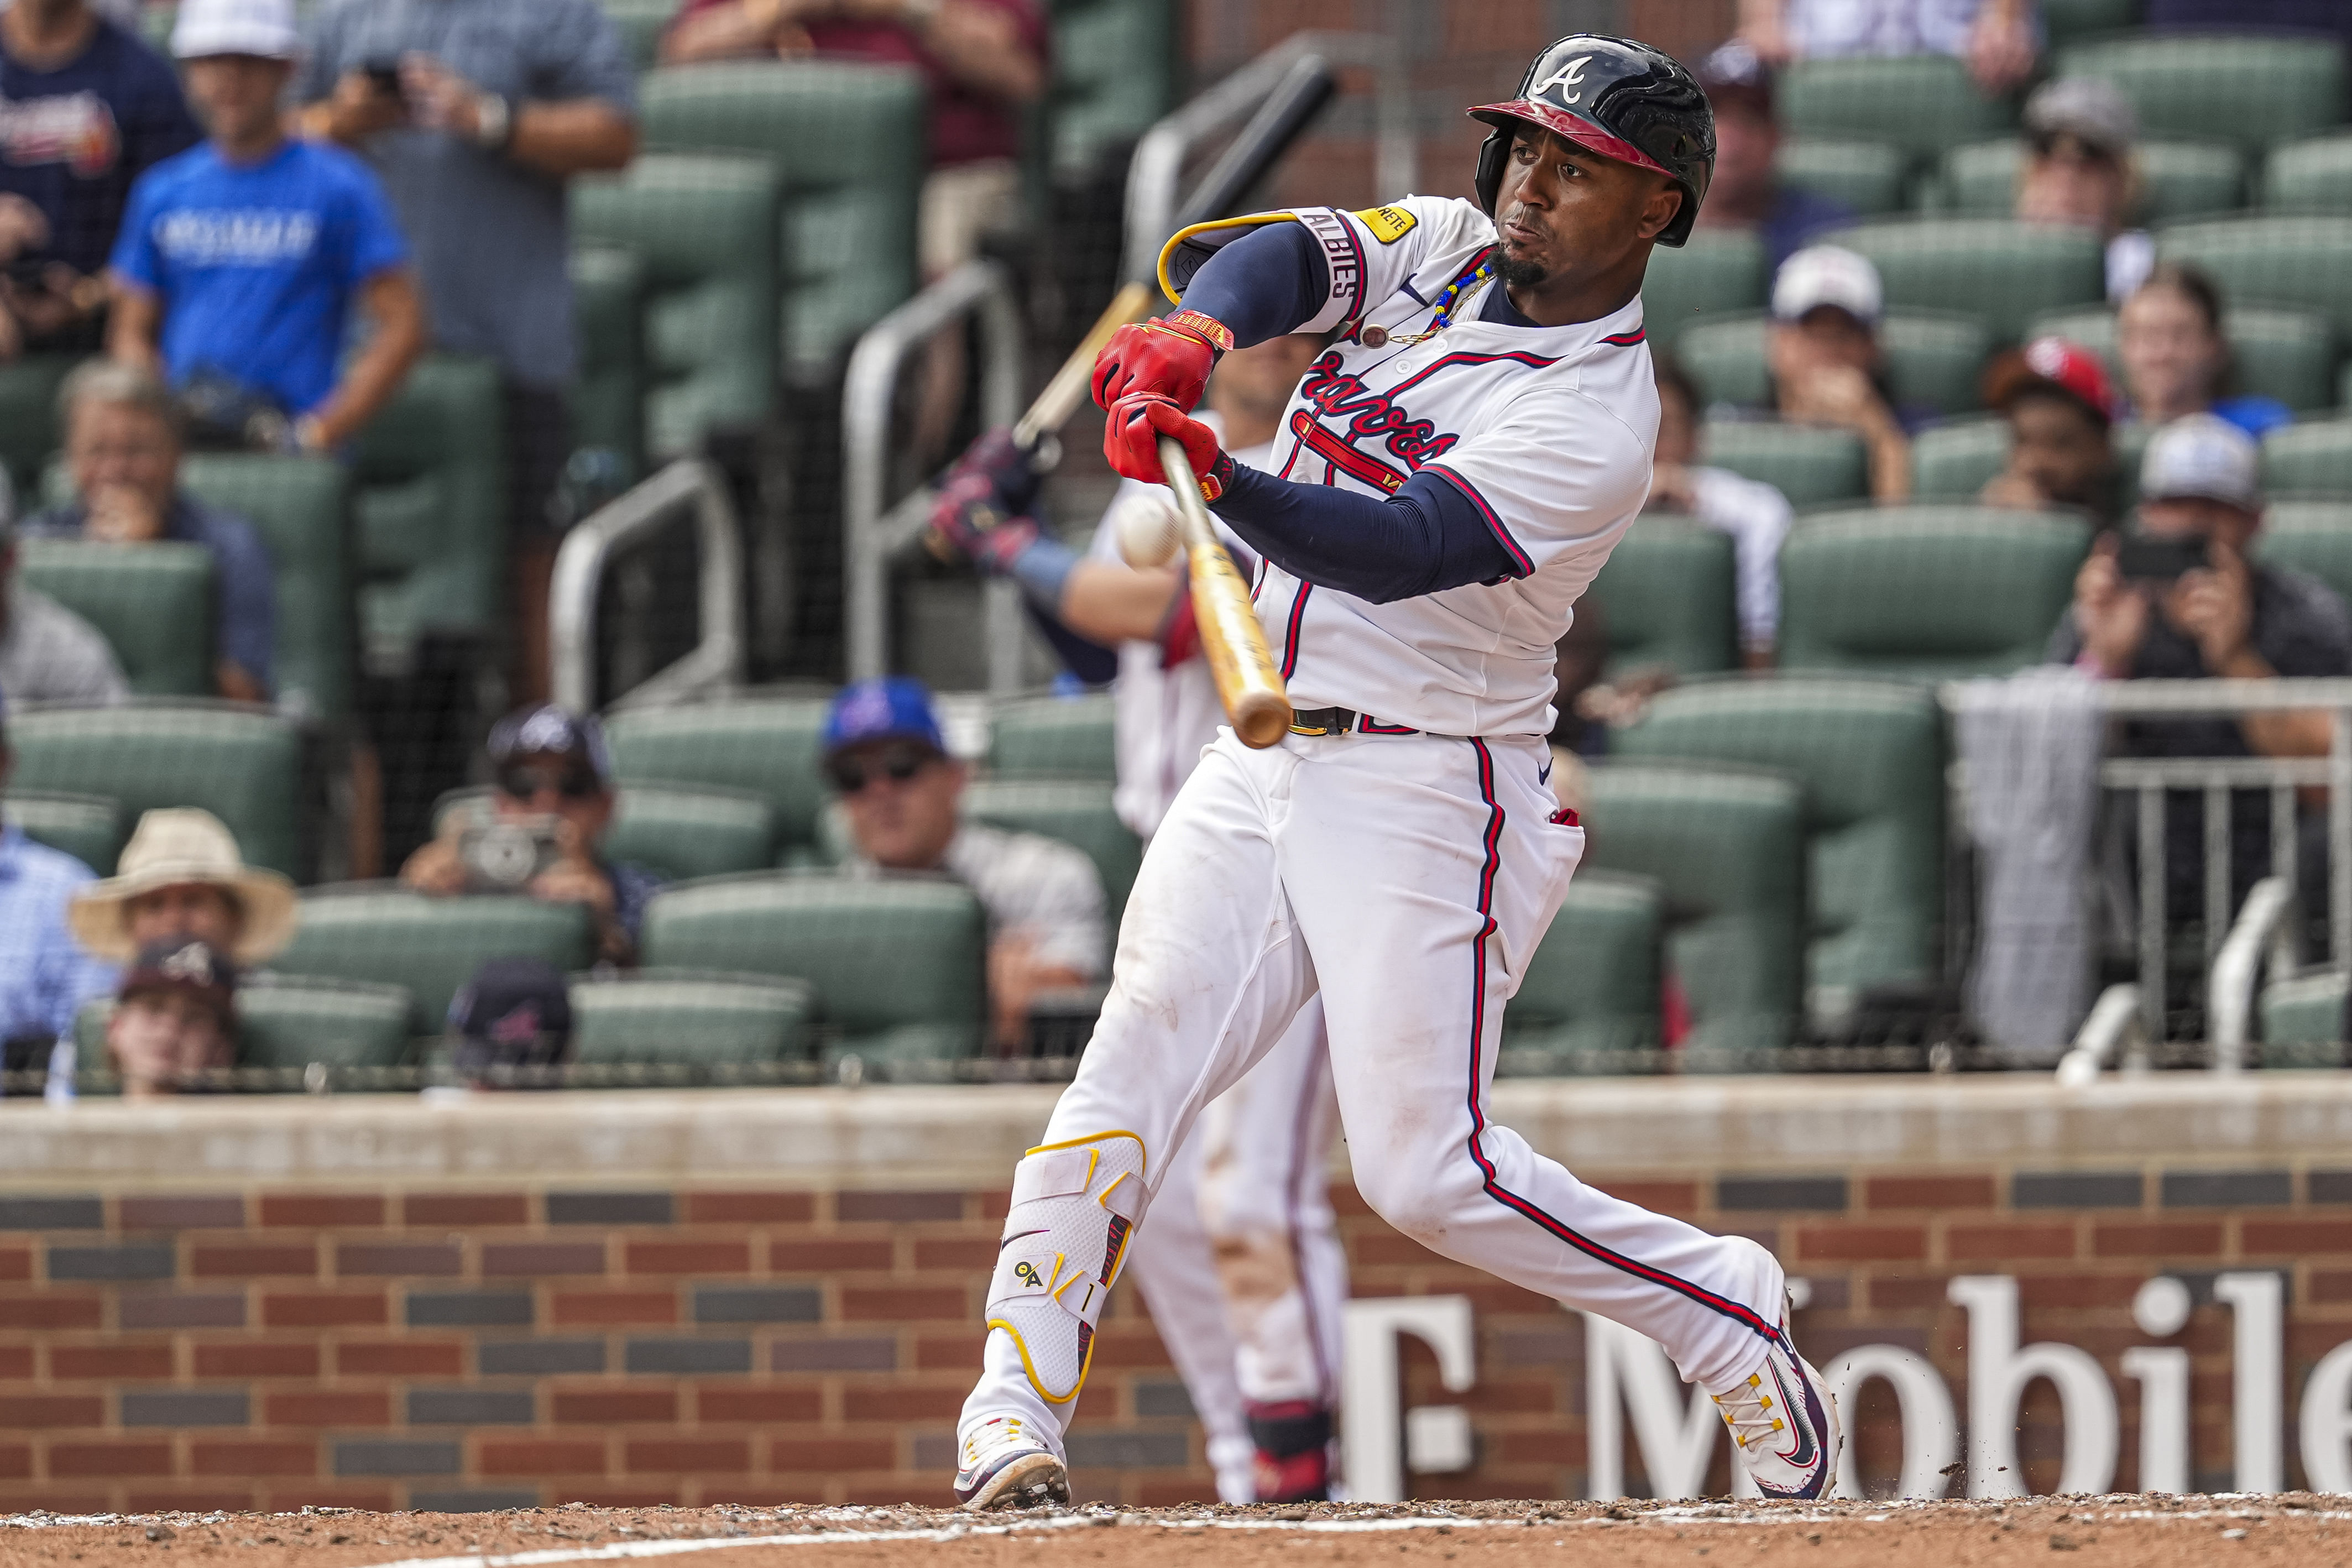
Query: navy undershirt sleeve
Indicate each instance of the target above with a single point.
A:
(1425, 539)
(1270, 281)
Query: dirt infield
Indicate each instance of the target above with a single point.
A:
(2307, 1531)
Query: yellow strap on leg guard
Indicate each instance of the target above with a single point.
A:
(1075, 1207)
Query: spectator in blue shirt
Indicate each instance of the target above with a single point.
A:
(1746, 191)
(122, 448)
(240, 260)
(44, 977)
(85, 108)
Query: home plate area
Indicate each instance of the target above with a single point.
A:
(2307, 1531)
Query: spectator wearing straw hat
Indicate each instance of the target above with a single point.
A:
(43, 978)
(182, 878)
(174, 1022)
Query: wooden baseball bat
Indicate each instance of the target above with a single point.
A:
(1239, 662)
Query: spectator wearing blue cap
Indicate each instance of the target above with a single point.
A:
(551, 779)
(45, 976)
(885, 757)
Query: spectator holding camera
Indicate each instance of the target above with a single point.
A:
(552, 800)
(85, 108)
(475, 113)
(241, 260)
(2180, 597)
(122, 448)
(887, 759)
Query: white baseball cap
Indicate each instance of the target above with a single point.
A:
(262, 28)
(2200, 456)
(1828, 275)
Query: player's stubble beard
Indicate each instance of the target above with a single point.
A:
(1519, 274)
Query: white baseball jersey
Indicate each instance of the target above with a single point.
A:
(1548, 431)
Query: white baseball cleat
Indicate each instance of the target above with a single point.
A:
(1784, 1426)
(1003, 1467)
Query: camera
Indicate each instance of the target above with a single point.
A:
(507, 857)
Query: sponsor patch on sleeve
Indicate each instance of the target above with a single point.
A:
(1388, 223)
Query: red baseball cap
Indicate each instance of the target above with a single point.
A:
(2070, 368)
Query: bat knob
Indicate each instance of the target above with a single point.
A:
(1261, 720)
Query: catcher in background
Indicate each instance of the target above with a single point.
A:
(1243, 1271)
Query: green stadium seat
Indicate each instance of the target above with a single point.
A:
(2306, 1011)
(2310, 536)
(705, 227)
(1068, 737)
(1593, 984)
(2310, 176)
(1933, 358)
(1868, 176)
(768, 746)
(153, 603)
(301, 509)
(431, 510)
(292, 1021)
(2180, 179)
(641, 24)
(1870, 755)
(2272, 262)
(1932, 592)
(1920, 103)
(1668, 593)
(2220, 87)
(28, 418)
(242, 767)
(896, 964)
(2068, 20)
(1078, 812)
(386, 935)
(1727, 848)
(89, 827)
(1718, 270)
(690, 1018)
(2274, 352)
(2315, 458)
(850, 141)
(2003, 272)
(1952, 462)
(607, 402)
(1812, 464)
(1115, 67)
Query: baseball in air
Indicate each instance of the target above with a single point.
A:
(1148, 535)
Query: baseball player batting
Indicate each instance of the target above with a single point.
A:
(1243, 1267)
(1449, 478)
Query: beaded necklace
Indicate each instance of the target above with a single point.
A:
(1441, 317)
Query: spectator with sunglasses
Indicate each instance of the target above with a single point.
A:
(900, 790)
(550, 768)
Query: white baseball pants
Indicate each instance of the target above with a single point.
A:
(1241, 1264)
(1406, 880)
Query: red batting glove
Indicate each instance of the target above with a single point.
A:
(1132, 441)
(1170, 359)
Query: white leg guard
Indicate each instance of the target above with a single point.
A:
(1074, 1206)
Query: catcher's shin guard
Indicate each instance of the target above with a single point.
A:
(1074, 1206)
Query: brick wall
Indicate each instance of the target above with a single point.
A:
(502, 1342)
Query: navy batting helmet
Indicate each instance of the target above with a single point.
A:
(1621, 99)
